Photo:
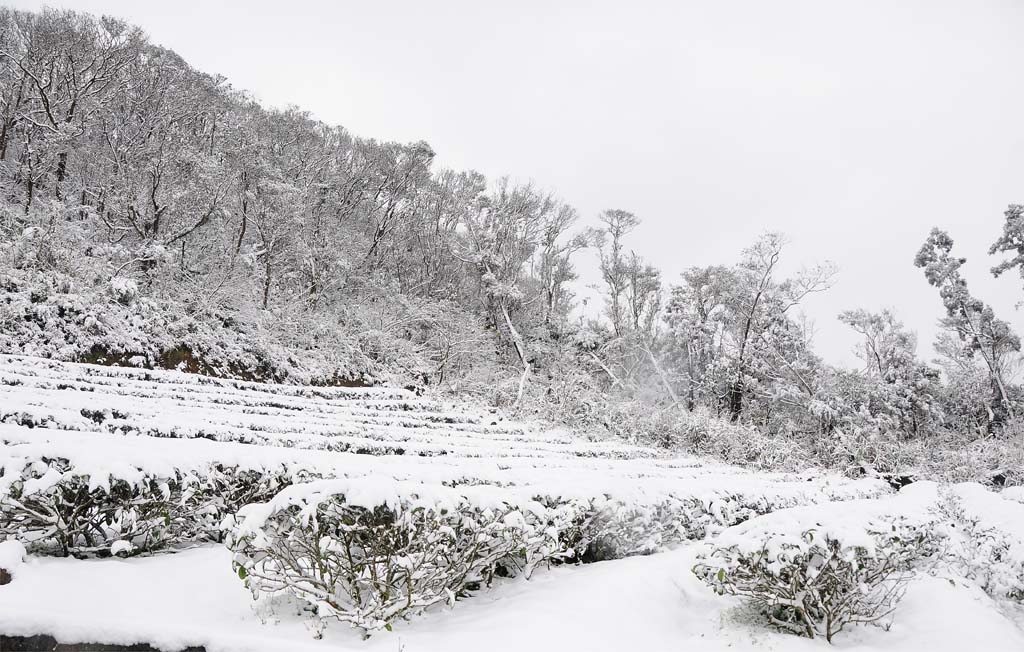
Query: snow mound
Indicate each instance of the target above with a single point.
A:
(12, 555)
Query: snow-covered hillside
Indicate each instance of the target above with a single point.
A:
(165, 468)
(114, 423)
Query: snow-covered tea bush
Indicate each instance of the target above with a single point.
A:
(366, 551)
(984, 539)
(814, 570)
(815, 584)
(605, 528)
(367, 554)
(608, 528)
(52, 509)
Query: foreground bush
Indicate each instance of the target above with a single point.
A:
(367, 551)
(817, 582)
(368, 561)
(52, 509)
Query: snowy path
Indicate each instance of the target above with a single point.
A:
(641, 603)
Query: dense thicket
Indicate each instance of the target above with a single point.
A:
(153, 215)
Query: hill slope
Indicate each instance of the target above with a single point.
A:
(164, 467)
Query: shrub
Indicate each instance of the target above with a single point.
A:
(366, 551)
(611, 528)
(367, 561)
(605, 529)
(52, 509)
(994, 461)
(984, 539)
(816, 584)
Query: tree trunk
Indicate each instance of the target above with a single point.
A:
(62, 165)
(735, 397)
(1002, 410)
(517, 342)
(29, 189)
(266, 281)
(245, 212)
(3, 139)
(611, 374)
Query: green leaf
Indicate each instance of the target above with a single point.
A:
(721, 574)
(387, 626)
(242, 573)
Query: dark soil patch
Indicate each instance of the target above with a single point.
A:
(48, 643)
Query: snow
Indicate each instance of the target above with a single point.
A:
(383, 446)
(988, 539)
(162, 423)
(995, 511)
(131, 458)
(642, 603)
(12, 554)
(1014, 493)
(850, 522)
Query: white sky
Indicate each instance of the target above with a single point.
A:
(853, 127)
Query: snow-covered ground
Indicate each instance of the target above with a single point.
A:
(98, 425)
(641, 603)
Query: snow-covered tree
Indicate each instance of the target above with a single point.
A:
(897, 384)
(970, 319)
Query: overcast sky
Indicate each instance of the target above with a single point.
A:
(853, 127)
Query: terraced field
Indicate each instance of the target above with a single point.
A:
(114, 423)
(188, 473)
